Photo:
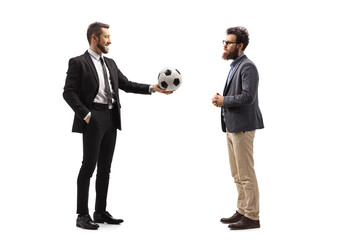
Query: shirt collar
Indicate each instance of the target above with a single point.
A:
(94, 54)
(236, 61)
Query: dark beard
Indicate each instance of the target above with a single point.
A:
(102, 48)
(230, 55)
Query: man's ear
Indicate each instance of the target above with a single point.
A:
(94, 37)
(240, 46)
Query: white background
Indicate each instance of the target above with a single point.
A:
(170, 175)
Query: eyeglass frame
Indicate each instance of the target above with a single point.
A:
(228, 42)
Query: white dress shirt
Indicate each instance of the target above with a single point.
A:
(100, 96)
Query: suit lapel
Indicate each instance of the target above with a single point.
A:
(231, 77)
(227, 85)
(111, 71)
(92, 66)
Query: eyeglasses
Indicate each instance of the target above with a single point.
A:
(227, 42)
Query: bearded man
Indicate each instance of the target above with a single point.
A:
(240, 117)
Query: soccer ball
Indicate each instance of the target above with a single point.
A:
(169, 79)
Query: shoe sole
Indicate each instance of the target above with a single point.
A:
(107, 222)
(80, 226)
(229, 222)
(252, 227)
(103, 221)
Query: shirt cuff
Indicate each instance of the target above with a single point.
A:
(151, 89)
(87, 116)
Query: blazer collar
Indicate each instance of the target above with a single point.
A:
(236, 63)
(238, 60)
(93, 69)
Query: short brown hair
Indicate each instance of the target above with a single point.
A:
(242, 35)
(95, 28)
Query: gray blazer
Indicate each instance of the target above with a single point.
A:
(241, 107)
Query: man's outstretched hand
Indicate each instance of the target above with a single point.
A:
(157, 88)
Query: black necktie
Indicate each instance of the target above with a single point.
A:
(107, 86)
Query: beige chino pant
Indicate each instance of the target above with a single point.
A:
(240, 147)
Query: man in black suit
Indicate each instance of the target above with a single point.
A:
(91, 90)
(240, 117)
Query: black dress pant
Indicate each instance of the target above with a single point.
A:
(99, 140)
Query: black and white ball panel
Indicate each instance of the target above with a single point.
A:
(169, 79)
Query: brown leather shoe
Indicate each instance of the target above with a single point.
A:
(233, 219)
(245, 223)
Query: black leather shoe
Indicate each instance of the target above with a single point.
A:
(106, 217)
(86, 222)
(245, 223)
(233, 219)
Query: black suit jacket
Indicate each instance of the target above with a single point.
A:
(82, 86)
(241, 105)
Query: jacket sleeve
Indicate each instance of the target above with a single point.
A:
(128, 86)
(72, 89)
(249, 84)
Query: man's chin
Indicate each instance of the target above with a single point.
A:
(229, 56)
(103, 49)
(225, 55)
